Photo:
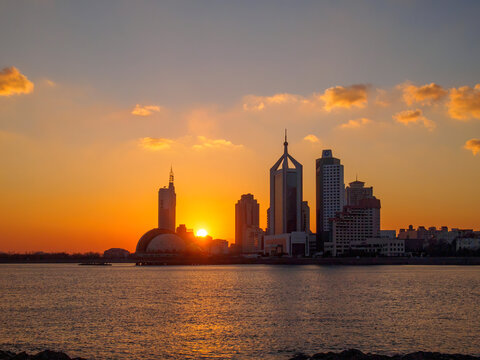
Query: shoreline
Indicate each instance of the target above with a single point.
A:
(239, 260)
(351, 354)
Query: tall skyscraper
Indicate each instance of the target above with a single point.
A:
(330, 194)
(248, 235)
(286, 193)
(357, 191)
(167, 201)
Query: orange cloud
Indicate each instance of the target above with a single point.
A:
(145, 110)
(473, 145)
(464, 103)
(155, 144)
(13, 82)
(355, 124)
(345, 97)
(408, 117)
(259, 103)
(205, 143)
(425, 95)
(311, 138)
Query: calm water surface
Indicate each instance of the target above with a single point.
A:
(256, 311)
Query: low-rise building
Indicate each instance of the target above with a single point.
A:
(468, 244)
(379, 246)
(293, 244)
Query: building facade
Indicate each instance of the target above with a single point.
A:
(357, 191)
(286, 194)
(167, 201)
(330, 194)
(248, 235)
(354, 224)
(379, 246)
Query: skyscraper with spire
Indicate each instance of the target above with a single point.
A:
(286, 193)
(167, 201)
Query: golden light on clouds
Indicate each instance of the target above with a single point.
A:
(259, 103)
(425, 95)
(345, 97)
(311, 138)
(473, 145)
(464, 103)
(145, 110)
(408, 117)
(355, 124)
(205, 143)
(155, 144)
(12, 82)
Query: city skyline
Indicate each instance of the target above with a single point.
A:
(94, 108)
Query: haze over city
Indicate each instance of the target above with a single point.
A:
(97, 102)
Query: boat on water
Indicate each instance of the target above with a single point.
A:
(96, 263)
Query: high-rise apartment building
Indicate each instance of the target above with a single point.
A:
(330, 194)
(286, 193)
(167, 200)
(355, 223)
(248, 235)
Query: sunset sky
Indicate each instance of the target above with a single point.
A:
(99, 98)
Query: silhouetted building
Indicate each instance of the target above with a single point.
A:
(116, 253)
(185, 234)
(330, 194)
(288, 218)
(218, 247)
(357, 191)
(163, 239)
(248, 235)
(167, 200)
(286, 192)
(305, 217)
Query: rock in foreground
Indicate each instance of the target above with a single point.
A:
(43, 355)
(354, 354)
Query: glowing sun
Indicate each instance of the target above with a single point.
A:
(202, 233)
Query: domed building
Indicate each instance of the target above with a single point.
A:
(163, 239)
(160, 241)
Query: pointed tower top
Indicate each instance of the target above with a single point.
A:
(170, 179)
(286, 142)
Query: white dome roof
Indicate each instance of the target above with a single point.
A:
(166, 243)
